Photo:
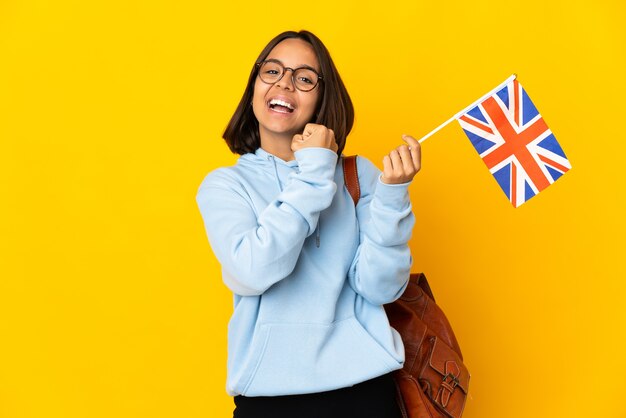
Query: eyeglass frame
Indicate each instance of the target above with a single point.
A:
(293, 71)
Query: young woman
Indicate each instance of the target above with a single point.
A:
(309, 272)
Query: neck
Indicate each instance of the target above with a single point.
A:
(278, 145)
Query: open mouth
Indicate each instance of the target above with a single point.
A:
(280, 106)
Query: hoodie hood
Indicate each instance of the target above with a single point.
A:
(270, 164)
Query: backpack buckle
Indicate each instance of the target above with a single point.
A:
(448, 384)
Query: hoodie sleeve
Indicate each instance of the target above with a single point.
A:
(381, 267)
(256, 251)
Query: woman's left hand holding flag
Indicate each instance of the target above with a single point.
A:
(403, 162)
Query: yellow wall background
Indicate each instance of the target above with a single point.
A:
(111, 113)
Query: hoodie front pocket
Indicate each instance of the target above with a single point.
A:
(304, 358)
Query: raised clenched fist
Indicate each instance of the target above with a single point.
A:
(314, 135)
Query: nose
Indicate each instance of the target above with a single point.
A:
(286, 80)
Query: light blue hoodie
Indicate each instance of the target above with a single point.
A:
(309, 273)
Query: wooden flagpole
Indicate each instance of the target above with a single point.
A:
(456, 116)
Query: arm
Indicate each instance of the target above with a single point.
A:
(381, 268)
(256, 252)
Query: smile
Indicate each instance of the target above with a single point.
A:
(281, 106)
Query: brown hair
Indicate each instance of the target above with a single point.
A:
(334, 108)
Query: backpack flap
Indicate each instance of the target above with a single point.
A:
(445, 378)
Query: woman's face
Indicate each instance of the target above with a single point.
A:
(277, 120)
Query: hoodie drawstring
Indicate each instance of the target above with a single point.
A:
(271, 157)
(317, 236)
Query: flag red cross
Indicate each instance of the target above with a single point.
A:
(515, 143)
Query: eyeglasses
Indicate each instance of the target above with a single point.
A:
(303, 78)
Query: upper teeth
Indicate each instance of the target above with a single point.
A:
(281, 103)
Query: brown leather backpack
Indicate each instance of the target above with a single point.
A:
(434, 381)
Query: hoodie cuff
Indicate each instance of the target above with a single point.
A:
(321, 161)
(394, 196)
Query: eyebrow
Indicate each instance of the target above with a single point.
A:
(295, 68)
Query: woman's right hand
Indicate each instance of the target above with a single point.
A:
(314, 135)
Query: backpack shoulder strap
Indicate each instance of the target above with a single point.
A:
(351, 177)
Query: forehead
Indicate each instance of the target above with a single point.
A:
(294, 53)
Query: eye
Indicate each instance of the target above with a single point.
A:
(271, 70)
(305, 77)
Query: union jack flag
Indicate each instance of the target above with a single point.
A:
(515, 143)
